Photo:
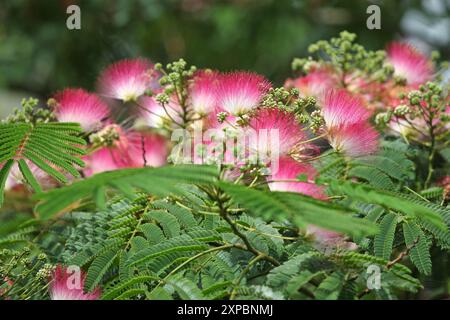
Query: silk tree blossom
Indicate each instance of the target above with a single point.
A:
(16, 180)
(346, 125)
(154, 115)
(409, 63)
(241, 92)
(147, 149)
(67, 285)
(110, 154)
(285, 178)
(203, 92)
(326, 239)
(315, 84)
(78, 105)
(105, 159)
(126, 150)
(355, 140)
(275, 128)
(341, 108)
(128, 79)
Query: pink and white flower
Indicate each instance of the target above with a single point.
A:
(105, 159)
(273, 122)
(346, 125)
(128, 150)
(314, 84)
(66, 285)
(203, 92)
(128, 79)
(341, 108)
(409, 63)
(285, 178)
(154, 115)
(241, 92)
(147, 149)
(326, 239)
(354, 140)
(78, 105)
(16, 180)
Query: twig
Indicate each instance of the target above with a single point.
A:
(402, 254)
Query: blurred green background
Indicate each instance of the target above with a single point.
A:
(39, 55)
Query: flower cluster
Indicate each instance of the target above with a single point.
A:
(249, 127)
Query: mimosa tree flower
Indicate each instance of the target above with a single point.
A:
(147, 149)
(105, 159)
(241, 92)
(355, 140)
(277, 124)
(341, 108)
(66, 285)
(315, 84)
(409, 63)
(346, 125)
(78, 105)
(16, 180)
(326, 239)
(154, 115)
(203, 91)
(128, 79)
(126, 149)
(286, 178)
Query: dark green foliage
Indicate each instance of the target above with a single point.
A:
(52, 147)
(160, 181)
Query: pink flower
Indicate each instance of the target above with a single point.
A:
(105, 159)
(284, 178)
(341, 108)
(346, 125)
(409, 63)
(128, 79)
(112, 155)
(288, 171)
(4, 287)
(326, 239)
(66, 285)
(279, 124)
(147, 149)
(16, 180)
(77, 105)
(240, 92)
(203, 92)
(355, 140)
(154, 115)
(128, 151)
(315, 83)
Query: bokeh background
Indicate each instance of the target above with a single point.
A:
(39, 55)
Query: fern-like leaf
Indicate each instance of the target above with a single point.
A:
(159, 181)
(389, 199)
(420, 252)
(301, 209)
(385, 238)
(53, 147)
